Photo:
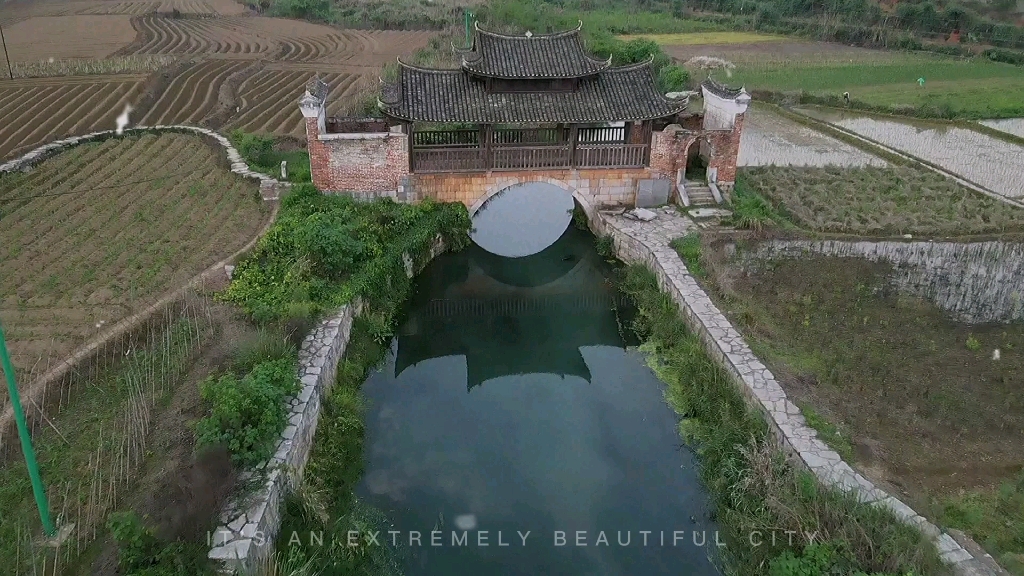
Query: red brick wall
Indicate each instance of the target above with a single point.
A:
(727, 147)
(668, 151)
(373, 162)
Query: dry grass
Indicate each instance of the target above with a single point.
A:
(880, 201)
(114, 65)
(104, 229)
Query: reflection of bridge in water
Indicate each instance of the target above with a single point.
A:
(521, 305)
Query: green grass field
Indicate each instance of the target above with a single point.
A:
(972, 88)
(881, 80)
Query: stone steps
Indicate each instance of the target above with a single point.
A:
(700, 195)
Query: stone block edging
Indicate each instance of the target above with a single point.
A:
(268, 186)
(761, 390)
(249, 524)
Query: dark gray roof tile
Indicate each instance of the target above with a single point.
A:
(622, 93)
(559, 55)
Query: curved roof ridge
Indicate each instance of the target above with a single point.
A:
(571, 32)
(418, 68)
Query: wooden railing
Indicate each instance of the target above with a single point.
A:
(529, 157)
(448, 160)
(526, 149)
(611, 155)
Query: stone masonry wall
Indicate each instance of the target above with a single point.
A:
(648, 243)
(250, 524)
(598, 187)
(371, 163)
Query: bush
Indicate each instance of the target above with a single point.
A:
(141, 553)
(605, 246)
(254, 148)
(324, 250)
(248, 414)
(673, 79)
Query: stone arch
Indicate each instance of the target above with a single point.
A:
(584, 202)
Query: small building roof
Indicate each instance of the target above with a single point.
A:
(721, 90)
(536, 56)
(624, 93)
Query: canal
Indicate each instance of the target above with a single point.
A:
(515, 428)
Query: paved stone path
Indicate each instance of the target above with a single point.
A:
(648, 242)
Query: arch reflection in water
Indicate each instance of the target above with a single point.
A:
(507, 316)
(564, 428)
(522, 219)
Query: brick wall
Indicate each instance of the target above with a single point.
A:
(726, 146)
(363, 162)
(668, 150)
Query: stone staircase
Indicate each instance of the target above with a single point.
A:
(699, 194)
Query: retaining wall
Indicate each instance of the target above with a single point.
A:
(648, 243)
(251, 523)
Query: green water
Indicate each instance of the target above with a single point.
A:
(514, 429)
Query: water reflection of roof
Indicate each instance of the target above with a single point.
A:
(498, 345)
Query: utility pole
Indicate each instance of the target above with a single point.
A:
(6, 56)
(469, 35)
(26, 440)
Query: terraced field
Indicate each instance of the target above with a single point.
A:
(193, 95)
(38, 110)
(105, 228)
(162, 35)
(267, 101)
(222, 68)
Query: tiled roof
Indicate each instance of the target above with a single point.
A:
(559, 55)
(721, 90)
(317, 88)
(622, 93)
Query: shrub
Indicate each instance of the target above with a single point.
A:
(248, 414)
(605, 246)
(673, 79)
(324, 250)
(256, 149)
(141, 553)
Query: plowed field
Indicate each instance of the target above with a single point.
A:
(105, 228)
(228, 70)
(59, 37)
(192, 96)
(34, 111)
(267, 101)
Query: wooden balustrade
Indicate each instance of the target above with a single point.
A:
(525, 149)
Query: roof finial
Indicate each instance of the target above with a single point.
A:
(579, 26)
(529, 34)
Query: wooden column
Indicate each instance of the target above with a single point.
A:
(573, 134)
(486, 135)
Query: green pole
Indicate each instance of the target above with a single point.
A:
(469, 37)
(26, 441)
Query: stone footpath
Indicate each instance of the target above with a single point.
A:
(648, 242)
(269, 187)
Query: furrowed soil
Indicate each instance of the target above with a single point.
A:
(103, 229)
(919, 401)
(60, 37)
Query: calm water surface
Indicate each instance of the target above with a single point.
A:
(513, 402)
(771, 140)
